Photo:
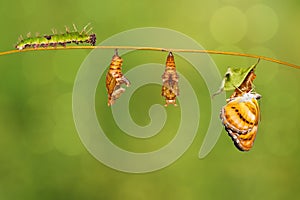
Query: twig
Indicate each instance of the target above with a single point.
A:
(156, 49)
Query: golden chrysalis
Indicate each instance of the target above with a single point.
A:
(170, 81)
(115, 78)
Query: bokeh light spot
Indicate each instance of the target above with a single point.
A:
(262, 23)
(228, 25)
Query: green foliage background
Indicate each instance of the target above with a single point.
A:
(41, 153)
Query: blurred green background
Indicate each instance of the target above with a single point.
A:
(41, 153)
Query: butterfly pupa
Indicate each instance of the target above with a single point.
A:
(238, 79)
(170, 89)
(115, 78)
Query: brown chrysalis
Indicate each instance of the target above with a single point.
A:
(170, 81)
(115, 78)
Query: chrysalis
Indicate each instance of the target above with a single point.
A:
(246, 86)
(170, 81)
(238, 79)
(115, 78)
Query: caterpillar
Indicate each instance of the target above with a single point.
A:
(170, 77)
(115, 78)
(57, 39)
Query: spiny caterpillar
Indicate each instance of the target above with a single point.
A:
(57, 39)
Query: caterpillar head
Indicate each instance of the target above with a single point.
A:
(21, 45)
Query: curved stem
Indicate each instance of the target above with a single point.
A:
(157, 49)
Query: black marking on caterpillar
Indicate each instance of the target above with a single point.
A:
(57, 39)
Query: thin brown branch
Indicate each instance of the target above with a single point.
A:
(156, 49)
